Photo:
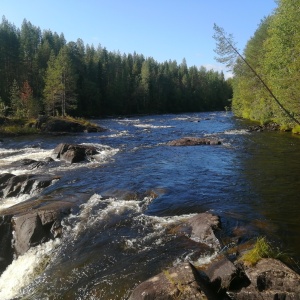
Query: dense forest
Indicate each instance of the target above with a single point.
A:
(274, 52)
(40, 73)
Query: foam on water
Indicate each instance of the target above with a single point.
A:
(9, 156)
(237, 132)
(128, 121)
(98, 214)
(181, 119)
(119, 134)
(25, 269)
(8, 202)
(150, 126)
(98, 210)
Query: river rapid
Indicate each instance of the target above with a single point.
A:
(139, 187)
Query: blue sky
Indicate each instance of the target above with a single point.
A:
(162, 29)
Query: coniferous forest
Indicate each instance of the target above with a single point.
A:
(41, 73)
(274, 52)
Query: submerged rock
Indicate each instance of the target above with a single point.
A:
(73, 153)
(194, 141)
(31, 163)
(16, 185)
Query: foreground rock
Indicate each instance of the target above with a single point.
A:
(269, 279)
(31, 223)
(16, 185)
(185, 281)
(194, 141)
(220, 278)
(74, 153)
(180, 282)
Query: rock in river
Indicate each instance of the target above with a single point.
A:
(194, 141)
(74, 153)
(29, 224)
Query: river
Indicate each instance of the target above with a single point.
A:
(140, 187)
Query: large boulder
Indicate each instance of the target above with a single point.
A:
(201, 228)
(29, 224)
(270, 279)
(194, 141)
(74, 153)
(180, 282)
(224, 275)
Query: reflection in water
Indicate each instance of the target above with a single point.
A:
(273, 171)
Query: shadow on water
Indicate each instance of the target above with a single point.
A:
(273, 171)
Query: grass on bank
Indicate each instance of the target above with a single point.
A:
(262, 249)
(14, 127)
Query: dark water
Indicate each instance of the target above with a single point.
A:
(120, 237)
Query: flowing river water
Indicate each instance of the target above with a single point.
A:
(139, 187)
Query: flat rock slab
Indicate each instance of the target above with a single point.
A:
(175, 283)
(201, 228)
(194, 141)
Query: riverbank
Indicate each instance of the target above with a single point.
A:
(10, 127)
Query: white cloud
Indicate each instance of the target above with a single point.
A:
(219, 68)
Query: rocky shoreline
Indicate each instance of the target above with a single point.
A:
(223, 277)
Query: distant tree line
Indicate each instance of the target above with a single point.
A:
(274, 52)
(41, 73)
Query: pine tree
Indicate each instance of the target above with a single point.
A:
(51, 90)
(18, 109)
(60, 84)
(67, 81)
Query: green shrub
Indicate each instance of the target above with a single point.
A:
(296, 129)
(285, 127)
